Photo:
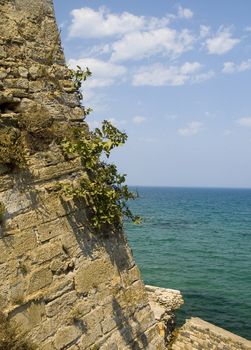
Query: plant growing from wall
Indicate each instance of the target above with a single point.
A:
(78, 76)
(10, 148)
(103, 189)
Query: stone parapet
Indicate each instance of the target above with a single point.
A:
(164, 303)
(197, 334)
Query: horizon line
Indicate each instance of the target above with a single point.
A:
(195, 187)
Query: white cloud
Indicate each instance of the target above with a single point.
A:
(137, 37)
(159, 75)
(184, 12)
(204, 31)
(189, 68)
(222, 42)
(165, 41)
(192, 128)
(104, 73)
(88, 23)
(245, 65)
(248, 29)
(244, 121)
(138, 119)
(199, 78)
(96, 50)
(231, 67)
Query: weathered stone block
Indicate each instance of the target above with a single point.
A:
(46, 252)
(62, 304)
(23, 72)
(37, 85)
(39, 279)
(100, 268)
(65, 336)
(29, 317)
(24, 242)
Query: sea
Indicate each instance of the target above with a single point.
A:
(197, 240)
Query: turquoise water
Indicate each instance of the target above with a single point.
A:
(198, 241)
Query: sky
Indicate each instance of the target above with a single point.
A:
(175, 76)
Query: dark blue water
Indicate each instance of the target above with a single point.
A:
(198, 241)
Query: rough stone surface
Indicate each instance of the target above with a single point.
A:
(66, 287)
(164, 302)
(197, 334)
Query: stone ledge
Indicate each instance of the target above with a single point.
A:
(199, 324)
(163, 300)
(198, 334)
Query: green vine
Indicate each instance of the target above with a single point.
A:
(78, 76)
(103, 189)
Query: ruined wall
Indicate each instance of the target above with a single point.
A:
(164, 303)
(66, 287)
(197, 334)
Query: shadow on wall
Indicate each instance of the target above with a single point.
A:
(127, 332)
(113, 240)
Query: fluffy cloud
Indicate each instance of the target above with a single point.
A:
(190, 67)
(159, 75)
(192, 128)
(222, 42)
(199, 78)
(231, 67)
(104, 73)
(139, 36)
(244, 121)
(204, 31)
(184, 12)
(138, 45)
(138, 119)
(88, 23)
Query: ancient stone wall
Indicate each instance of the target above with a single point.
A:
(164, 303)
(197, 334)
(65, 286)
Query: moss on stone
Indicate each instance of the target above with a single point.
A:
(10, 147)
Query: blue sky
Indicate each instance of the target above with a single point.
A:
(176, 77)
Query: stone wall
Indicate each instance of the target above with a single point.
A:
(63, 285)
(164, 303)
(197, 334)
